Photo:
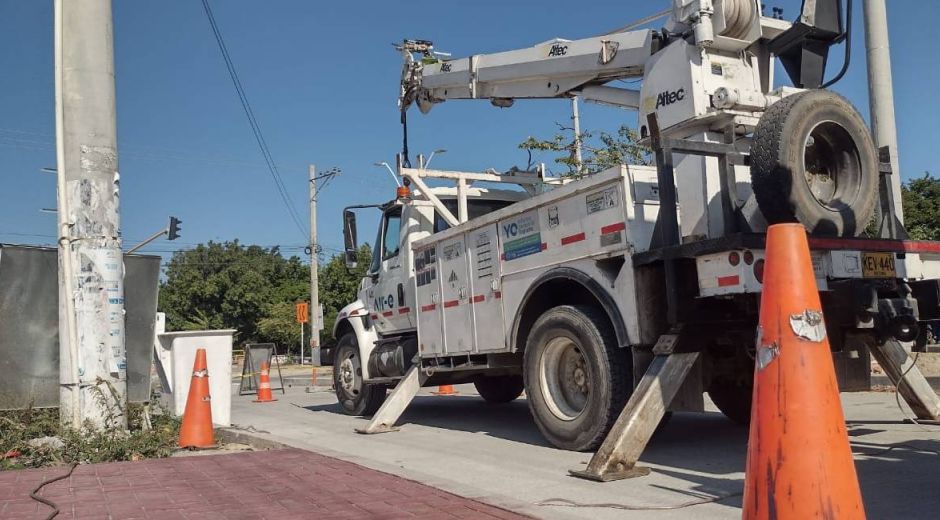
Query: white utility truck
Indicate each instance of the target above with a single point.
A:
(615, 297)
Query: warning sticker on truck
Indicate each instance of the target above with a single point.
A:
(452, 251)
(484, 255)
(601, 200)
(520, 236)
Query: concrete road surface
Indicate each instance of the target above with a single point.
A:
(494, 453)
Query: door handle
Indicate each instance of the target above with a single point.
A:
(401, 295)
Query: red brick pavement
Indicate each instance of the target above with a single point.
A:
(280, 484)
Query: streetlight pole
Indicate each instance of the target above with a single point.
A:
(390, 171)
(431, 157)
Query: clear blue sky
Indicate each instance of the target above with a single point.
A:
(322, 78)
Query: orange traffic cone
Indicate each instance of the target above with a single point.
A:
(196, 428)
(264, 385)
(799, 463)
(445, 390)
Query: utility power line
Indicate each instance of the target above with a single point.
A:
(255, 127)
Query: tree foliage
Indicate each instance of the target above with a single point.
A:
(600, 150)
(921, 200)
(250, 289)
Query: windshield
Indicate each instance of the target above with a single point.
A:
(475, 208)
(387, 240)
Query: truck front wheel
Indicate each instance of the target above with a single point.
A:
(354, 395)
(577, 378)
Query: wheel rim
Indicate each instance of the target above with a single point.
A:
(348, 378)
(832, 168)
(565, 378)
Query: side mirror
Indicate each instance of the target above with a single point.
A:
(349, 237)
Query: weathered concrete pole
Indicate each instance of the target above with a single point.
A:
(92, 364)
(881, 90)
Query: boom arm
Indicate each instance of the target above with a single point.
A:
(564, 68)
(555, 68)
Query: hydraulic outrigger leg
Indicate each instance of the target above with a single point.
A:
(908, 379)
(617, 457)
(384, 420)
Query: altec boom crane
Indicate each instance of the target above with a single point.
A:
(615, 296)
(706, 76)
(562, 68)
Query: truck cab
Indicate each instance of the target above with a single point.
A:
(384, 315)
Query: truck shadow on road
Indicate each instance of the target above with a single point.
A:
(512, 422)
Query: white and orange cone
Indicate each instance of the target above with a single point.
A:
(264, 385)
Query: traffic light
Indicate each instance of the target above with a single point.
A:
(174, 231)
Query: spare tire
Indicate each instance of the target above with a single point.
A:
(813, 161)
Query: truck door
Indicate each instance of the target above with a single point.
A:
(387, 299)
(485, 297)
(455, 296)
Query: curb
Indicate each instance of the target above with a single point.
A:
(302, 381)
(255, 441)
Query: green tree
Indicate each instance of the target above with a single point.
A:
(600, 150)
(921, 200)
(230, 285)
(253, 290)
(279, 325)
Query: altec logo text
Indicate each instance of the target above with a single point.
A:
(668, 98)
(558, 50)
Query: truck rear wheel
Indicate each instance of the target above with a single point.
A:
(733, 398)
(499, 389)
(354, 395)
(577, 378)
(813, 161)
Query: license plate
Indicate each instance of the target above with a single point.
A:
(878, 265)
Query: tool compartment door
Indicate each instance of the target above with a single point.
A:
(428, 302)
(485, 296)
(455, 296)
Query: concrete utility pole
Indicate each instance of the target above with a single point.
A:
(880, 89)
(576, 120)
(92, 364)
(315, 325)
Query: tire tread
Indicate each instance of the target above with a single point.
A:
(772, 181)
(372, 396)
(614, 362)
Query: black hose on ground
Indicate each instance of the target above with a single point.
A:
(563, 502)
(33, 494)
